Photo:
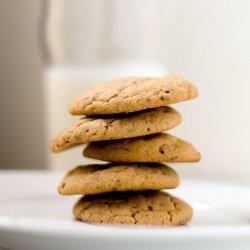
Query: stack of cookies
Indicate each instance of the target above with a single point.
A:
(123, 124)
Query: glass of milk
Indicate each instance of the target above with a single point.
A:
(85, 43)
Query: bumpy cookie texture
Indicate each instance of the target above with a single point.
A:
(140, 208)
(132, 94)
(151, 148)
(120, 126)
(95, 179)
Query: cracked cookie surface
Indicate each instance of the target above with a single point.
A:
(140, 208)
(132, 94)
(150, 148)
(96, 179)
(98, 128)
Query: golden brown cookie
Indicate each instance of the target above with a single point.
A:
(95, 179)
(120, 126)
(140, 208)
(150, 148)
(132, 94)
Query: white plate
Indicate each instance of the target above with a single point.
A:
(34, 217)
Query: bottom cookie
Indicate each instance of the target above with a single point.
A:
(140, 208)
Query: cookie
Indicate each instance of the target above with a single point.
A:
(95, 179)
(132, 94)
(150, 148)
(120, 126)
(139, 208)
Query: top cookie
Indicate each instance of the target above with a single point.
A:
(132, 94)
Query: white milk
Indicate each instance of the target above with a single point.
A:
(62, 84)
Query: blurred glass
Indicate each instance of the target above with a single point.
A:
(87, 42)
